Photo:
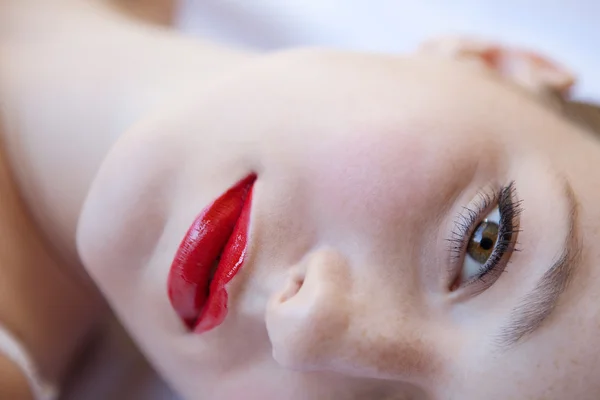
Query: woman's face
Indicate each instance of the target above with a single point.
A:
(416, 228)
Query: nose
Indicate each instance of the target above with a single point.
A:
(328, 318)
(310, 314)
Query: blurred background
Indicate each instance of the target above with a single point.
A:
(565, 30)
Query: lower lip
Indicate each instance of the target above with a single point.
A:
(220, 229)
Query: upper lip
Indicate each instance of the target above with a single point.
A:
(215, 242)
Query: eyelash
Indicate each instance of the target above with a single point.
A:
(468, 220)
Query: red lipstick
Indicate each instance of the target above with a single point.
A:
(216, 242)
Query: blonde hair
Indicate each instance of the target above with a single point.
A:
(584, 114)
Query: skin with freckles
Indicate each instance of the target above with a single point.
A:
(346, 291)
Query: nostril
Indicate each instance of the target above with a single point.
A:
(293, 286)
(309, 317)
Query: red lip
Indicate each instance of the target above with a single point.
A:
(221, 229)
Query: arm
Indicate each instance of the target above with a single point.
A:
(13, 384)
(49, 309)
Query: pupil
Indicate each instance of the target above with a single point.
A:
(482, 242)
(486, 243)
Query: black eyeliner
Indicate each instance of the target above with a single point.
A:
(510, 209)
(469, 219)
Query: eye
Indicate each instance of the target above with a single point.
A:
(483, 241)
(481, 245)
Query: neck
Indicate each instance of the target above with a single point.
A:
(72, 85)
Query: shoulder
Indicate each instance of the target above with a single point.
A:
(13, 384)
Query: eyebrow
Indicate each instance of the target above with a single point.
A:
(535, 307)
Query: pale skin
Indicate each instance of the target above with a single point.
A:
(44, 124)
(363, 164)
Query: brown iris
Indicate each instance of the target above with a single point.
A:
(482, 242)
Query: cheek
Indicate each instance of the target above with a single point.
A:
(560, 361)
